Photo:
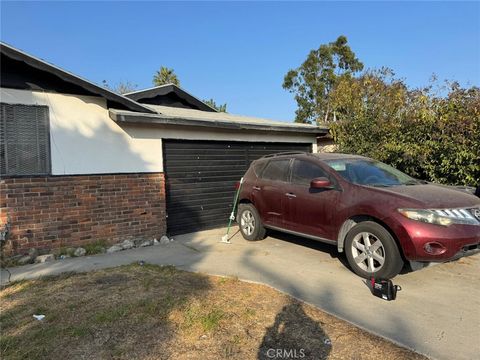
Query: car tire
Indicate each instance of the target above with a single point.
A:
(250, 223)
(372, 251)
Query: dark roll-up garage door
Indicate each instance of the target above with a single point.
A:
(201, 176)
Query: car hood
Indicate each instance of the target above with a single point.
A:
(433, 196)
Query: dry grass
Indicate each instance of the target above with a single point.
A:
(151, 312)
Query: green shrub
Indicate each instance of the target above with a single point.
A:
(424, 134)
(95, 247)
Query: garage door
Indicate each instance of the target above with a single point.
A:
(201, 176)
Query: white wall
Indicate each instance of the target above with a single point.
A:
(203, 133)
(84, 140)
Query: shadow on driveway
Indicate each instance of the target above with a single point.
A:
(286, 337)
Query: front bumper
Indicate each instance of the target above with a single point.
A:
(467, 250)
(457, 240)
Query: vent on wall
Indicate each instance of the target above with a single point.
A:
(24, 140)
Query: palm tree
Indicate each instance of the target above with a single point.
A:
(165, 76)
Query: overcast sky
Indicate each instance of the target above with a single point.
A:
(238, 53)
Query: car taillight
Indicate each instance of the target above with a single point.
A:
(237, 185)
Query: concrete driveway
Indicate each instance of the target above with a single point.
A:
(437, 313)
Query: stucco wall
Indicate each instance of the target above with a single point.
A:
(84, 140)
(201, 133)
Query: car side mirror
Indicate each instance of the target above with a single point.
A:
(321, 183)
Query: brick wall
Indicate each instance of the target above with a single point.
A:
(57, 211)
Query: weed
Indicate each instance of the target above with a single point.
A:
(232, 346)
(147, 283)
(211, 320)
(250, 312)
(95, 247)
(8, 319)
(228, 280)
(112, 314)
(15, 287)
(7, 343)
(59, 277)
(148, 306)
(65, 251)
(78, 331)
(40, 310)
(156, 307)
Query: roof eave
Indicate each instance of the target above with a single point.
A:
(40, 64)
(165, 89)
(159, 119)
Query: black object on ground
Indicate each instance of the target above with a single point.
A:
(384, 289)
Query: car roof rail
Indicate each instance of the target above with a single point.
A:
(284, 153)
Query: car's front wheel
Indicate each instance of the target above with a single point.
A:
(372, 252)
(250, 223)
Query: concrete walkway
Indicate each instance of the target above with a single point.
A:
(437, 313)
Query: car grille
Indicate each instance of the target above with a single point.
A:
(476, 212)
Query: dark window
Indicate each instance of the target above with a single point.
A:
(24, 140)
(276, 170)
(258, 167)
(303, 172)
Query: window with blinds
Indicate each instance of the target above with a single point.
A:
(24, 140)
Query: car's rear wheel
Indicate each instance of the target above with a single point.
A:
(372, 252)
(250, 223)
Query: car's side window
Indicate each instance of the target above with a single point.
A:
(276, 170)
(258, 166)
(303, 172)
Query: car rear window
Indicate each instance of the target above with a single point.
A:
(276, 170)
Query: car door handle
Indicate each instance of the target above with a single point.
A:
(256, 188)
(291, 195)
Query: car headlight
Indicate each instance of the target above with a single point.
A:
(443, 217)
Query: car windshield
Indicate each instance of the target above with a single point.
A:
(370, 172)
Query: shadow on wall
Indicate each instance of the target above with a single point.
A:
(87, 141)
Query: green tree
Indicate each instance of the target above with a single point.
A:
(312, 82)
(426, 133)
(165, 76)
(213, 104)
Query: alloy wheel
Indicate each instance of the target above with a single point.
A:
(368, 252)
(247, 222)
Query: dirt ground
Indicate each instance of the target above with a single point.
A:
(153, 312)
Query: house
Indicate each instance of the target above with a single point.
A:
(80, 163)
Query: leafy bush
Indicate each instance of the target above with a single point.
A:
(431, 133)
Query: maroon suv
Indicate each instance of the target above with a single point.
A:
(378, 215)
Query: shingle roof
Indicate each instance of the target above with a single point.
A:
(179, 116)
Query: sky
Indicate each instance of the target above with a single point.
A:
(238, 52)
